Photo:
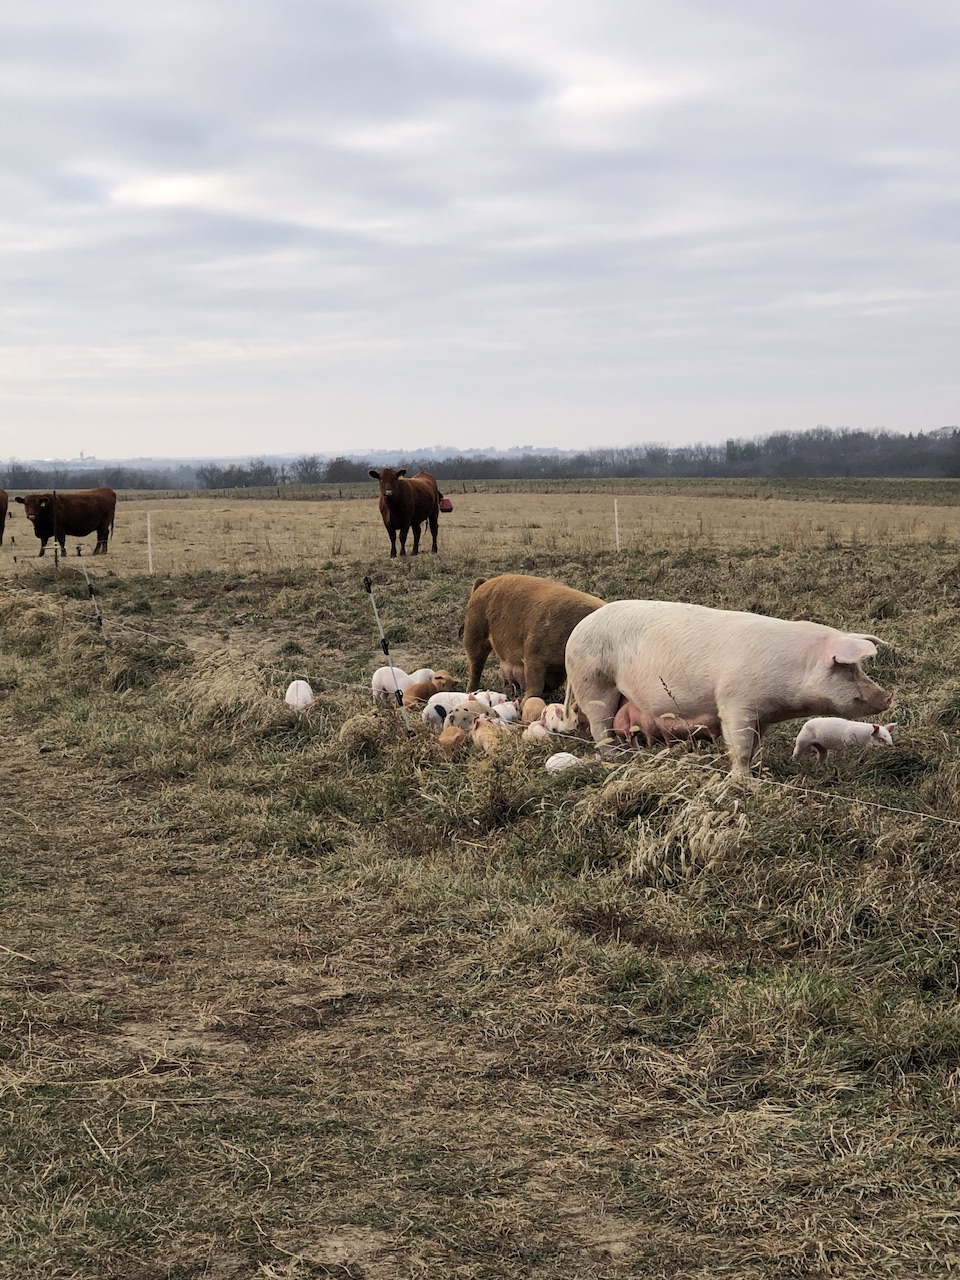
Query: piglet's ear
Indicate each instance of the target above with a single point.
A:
(890, 727)
(850, 649)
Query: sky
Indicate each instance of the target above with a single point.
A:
(233, 227)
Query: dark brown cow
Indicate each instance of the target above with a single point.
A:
(75, 513)
(406, 504)
(3, 512)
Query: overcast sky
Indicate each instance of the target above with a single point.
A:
(241, 226)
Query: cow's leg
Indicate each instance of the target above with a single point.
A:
(416, 538)
(43, 545)
(741, 733)
(434, 521)
(393, 540)
(404, 530)
(62, 539)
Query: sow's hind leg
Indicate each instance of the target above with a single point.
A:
(476, 641)
(598, 698)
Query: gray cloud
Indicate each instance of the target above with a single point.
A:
(315, 226)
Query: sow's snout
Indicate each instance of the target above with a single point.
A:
(871, 695)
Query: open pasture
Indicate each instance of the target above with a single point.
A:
(284, 1001)
(194, 534)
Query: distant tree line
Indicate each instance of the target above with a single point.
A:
(819, 453)
(19, 475)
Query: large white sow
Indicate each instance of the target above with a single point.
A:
(689, 660)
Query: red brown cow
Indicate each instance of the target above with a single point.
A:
(75, 513)
(3, 512)
(406, 504)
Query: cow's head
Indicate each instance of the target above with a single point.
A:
(388, 479)
(35, 504)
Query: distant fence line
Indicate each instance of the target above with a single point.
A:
(882, 490)
(925, 492)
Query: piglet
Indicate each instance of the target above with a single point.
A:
(452, 741)
(490, 734)
(665, 730)
(831, 733)
(299, 696)
(439, 707)
(386, 681)
(535, 730)
(532, 709)
(509, 712)
(417, 695)
(489, 697)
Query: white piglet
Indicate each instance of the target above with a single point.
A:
(386, 681)
(299, 696)
(438, 704)
(831, 733)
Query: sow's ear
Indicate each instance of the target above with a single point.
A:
(375, 474)
(850, 649)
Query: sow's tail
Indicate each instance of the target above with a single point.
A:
(478, 583)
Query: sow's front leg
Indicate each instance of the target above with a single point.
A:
(741, 733)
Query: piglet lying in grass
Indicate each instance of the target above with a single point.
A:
(830, 733)
(299, 696)
(387, 680)
(416, 696)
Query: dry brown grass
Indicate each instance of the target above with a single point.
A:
(293, 996)
(193, 535)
